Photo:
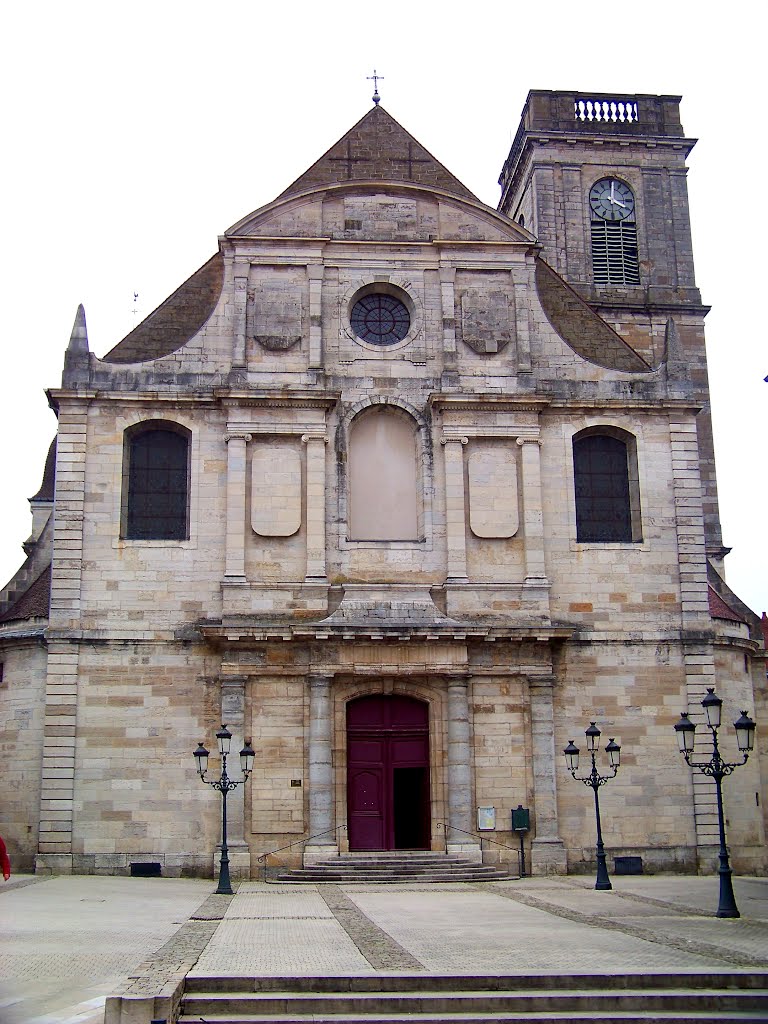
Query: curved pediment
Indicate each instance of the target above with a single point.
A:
(378, 210)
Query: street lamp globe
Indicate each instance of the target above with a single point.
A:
(571, 756)
(686, 733)
(712, 706)
(745, 733)
(201, 756)
(247, 755)
(224, 739)
(593, 737)
(614, 753)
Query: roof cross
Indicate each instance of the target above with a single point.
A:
(410, 160)
(375, 79)
(349, 160)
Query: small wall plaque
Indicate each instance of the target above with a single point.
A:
(486, 819)
(296, 783)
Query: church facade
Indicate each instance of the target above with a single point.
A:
(407, 491)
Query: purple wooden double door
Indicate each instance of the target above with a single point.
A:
(388, 773)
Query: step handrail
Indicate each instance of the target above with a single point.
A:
(478, 835)
(262, 858)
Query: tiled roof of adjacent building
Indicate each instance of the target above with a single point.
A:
(34, 602)
(718, 609)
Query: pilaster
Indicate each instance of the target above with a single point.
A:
(315, 273)
(533, 515)
(547, 849)
(448, 302)
(460, 804)
(240, 304)
(57, 789)
(234, 570)
(316, 566)
(455, 509)
(321, 820)
(698, 652)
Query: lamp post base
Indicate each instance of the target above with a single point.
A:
(239, 862)
(727, 903)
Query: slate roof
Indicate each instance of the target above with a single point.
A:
(581, 327)
(176, 320)
(46, 491)
(378, 147)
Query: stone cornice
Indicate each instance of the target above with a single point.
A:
(284, 399)
(257, 633)
(676, 405)
(478, 403)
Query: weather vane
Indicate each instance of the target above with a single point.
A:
(375, 79)
(135, 309)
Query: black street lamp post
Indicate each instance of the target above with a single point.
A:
(595, 780)
(717, 769)
(224, 785)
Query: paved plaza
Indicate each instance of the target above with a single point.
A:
(69, 942)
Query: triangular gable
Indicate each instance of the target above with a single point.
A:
(378, 148)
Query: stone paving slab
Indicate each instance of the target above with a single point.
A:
(68, 942)
(281, 947)
(480, 932)
(277, 906)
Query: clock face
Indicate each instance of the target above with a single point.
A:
(611, 199)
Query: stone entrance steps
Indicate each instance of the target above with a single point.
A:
(393, 866)
(425, 999)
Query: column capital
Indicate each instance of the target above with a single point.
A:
(320, 678)
(459, 679)
(306, 438)
(454, 439)
(543, 682)
(528, 439)
(237, 435)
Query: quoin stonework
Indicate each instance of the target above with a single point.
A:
(407, 490)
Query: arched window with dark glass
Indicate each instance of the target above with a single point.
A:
(156, 482)
(606, 486)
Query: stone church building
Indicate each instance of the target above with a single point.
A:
(408, 491)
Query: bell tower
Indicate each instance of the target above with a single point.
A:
(600, 180)
(581, 163)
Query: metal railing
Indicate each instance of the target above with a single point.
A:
(483, 839)
(262, 859)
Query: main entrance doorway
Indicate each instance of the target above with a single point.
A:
(388, 773)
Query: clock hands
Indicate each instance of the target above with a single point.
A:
(616, 202)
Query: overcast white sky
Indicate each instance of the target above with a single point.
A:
(135, 134)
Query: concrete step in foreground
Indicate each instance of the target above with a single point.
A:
(393, 866)
(396, 999)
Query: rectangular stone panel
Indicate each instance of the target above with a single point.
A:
(493, 506)
(275, 490)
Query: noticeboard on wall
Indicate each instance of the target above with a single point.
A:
(486, 819)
